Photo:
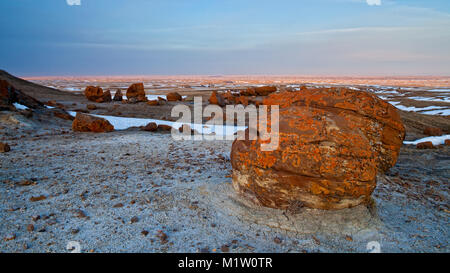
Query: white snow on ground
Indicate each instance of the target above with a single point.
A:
(445, 112)
(20, 106)
(122, 123)
(436, 140)
(441, 99)
(439, 90)
(414, 109)
(73, 89)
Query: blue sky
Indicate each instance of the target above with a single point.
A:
(311, 37)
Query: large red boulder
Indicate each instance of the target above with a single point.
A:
(332, 144)
(136, 93)
(96, 94)
(88, 123)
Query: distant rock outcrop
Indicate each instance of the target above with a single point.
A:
(174, 96)
(87, 123)
(118, 95)
(136, 93)
(332, 144)
(217, 99)
(259, 91)
(96, 94)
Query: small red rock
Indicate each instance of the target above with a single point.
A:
(425, 145)
(151, 127)
(4, 147)
(38, 198)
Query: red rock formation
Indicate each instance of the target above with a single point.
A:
(447, 142)
(96, 94)
(174, 96)
(425, 145)
(163, 127)
(217, 99)
(259, 91)
(332, 143)
(151, 127)
(118, 95)
(153, 102)
(91, 106)
(136, 93)
(432, 131)
(87, 123)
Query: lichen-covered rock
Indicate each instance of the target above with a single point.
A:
(332, 144)
(96, 94)
(88, 123)
(174, 96)
(136, 93)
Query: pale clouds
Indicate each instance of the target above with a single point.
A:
(374, 2)
(73, 2)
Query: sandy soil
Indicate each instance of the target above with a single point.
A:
(115, 192)
(182, 188)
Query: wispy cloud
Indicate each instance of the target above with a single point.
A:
(374, 2)
(73, 2)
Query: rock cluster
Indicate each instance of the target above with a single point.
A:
(88, 123)
(96, 94)
(332, 144)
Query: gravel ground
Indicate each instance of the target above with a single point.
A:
(133, 191)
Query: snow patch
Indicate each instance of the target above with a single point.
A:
(436, 140)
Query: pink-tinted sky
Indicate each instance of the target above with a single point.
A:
(318, 37)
